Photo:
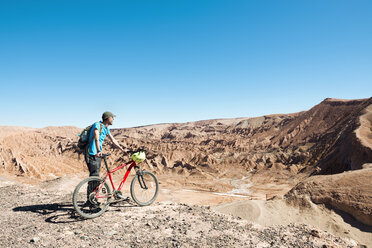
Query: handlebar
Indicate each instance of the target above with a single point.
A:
(130, 152)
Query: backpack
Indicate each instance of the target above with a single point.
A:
(84, 136)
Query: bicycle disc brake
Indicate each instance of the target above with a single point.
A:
(93, 199)
(92, 196)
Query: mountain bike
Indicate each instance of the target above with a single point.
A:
(92, 196)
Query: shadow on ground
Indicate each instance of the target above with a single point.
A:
(60, 212)
(64, 212)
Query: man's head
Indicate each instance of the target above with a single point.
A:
(108, 117)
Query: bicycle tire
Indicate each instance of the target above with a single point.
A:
(132, 189)
(103, 207)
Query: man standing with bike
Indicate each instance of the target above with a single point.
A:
(93, 151)
(98, 133)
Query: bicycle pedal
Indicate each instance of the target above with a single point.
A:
(125, 198)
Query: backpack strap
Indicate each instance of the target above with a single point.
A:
(100, 130)
(91, 139)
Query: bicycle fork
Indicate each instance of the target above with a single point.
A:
(141, 181)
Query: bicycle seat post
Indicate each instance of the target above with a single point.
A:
(104, 159)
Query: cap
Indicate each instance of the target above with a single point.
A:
(107, 114)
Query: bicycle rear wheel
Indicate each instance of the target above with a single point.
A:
(91, 197)
(144, 188)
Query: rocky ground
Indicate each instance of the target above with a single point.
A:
(32, 217)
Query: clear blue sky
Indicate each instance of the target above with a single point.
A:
(66, 62)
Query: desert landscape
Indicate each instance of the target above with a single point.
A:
(285, 180)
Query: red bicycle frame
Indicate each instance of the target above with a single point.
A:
(131, 165)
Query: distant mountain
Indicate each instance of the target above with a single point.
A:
(332, 137)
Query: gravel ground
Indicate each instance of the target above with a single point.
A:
(32, 217)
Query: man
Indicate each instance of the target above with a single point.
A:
(97, 134)
(93, 152)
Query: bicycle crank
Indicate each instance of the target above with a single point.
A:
(118, 195)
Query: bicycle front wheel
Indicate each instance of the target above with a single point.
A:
(144, 188)
(91, 197)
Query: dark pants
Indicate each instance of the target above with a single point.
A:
(94, 164)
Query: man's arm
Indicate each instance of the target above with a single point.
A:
(115, 142)
(96, 139)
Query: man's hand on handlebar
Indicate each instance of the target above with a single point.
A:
(130, 152)
(122, 149)
(99, 154)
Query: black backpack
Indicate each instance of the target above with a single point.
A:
(84, 136)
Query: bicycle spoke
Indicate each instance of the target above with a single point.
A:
(91, 197)
(141, 194)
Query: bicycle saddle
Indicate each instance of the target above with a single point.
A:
(105, 155)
